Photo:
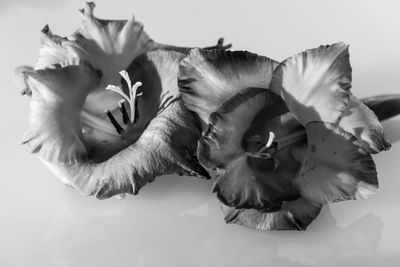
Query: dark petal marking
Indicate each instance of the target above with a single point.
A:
(114, 122)
(227, 127)
(245, 181)
(124, 112)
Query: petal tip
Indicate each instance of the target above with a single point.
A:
(87, 9)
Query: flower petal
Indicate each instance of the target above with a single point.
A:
(336, 166)
(109, 45)
(157, 70)
(165, 147)
(315, 84)
(384, 106)
(294, 215)
(209, 78)
(244, 180)
(363, 124)
(57, 98)
(227, 128)
(163, 141)
(51, 51)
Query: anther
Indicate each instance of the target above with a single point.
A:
(269, 143)
(114, 122)
(270, 139)
(122, 108)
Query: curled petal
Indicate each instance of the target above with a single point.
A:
(110, 45)
(336, 167)
(163, 141)
(165, 147)
(294, 215)
(316, 86)
(364, 125)
(21, 79)
(246, 180)
(209, 78)
(58, 95)
(51, 51)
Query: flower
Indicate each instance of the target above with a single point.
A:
(108, 142)
(283, 139)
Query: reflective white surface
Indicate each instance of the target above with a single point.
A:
(176, 221)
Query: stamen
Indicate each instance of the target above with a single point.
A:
(114, 122)
(270, 139)
(125, 115)
(131, 99)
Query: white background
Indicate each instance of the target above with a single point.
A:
(176, 220)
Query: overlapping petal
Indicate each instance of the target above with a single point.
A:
(246, 180)
(336, 166)
(69, 129)
(282, 140)
(57, 98)
(207, 78)
(165, 147)
(315, 85)
(324, 141)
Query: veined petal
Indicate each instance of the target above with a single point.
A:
(57, 98)
(165, 147)
(110, 45)
(162, 141)
(51, 51)
(364, 125)
(315, 84)
(224, 139)
(336, 166)
(246, 180)
(207, 78)
(294, 215)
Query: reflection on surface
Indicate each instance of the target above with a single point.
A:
(178, 223)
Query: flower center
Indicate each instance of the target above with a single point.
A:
(268, 149)
(132, 99)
